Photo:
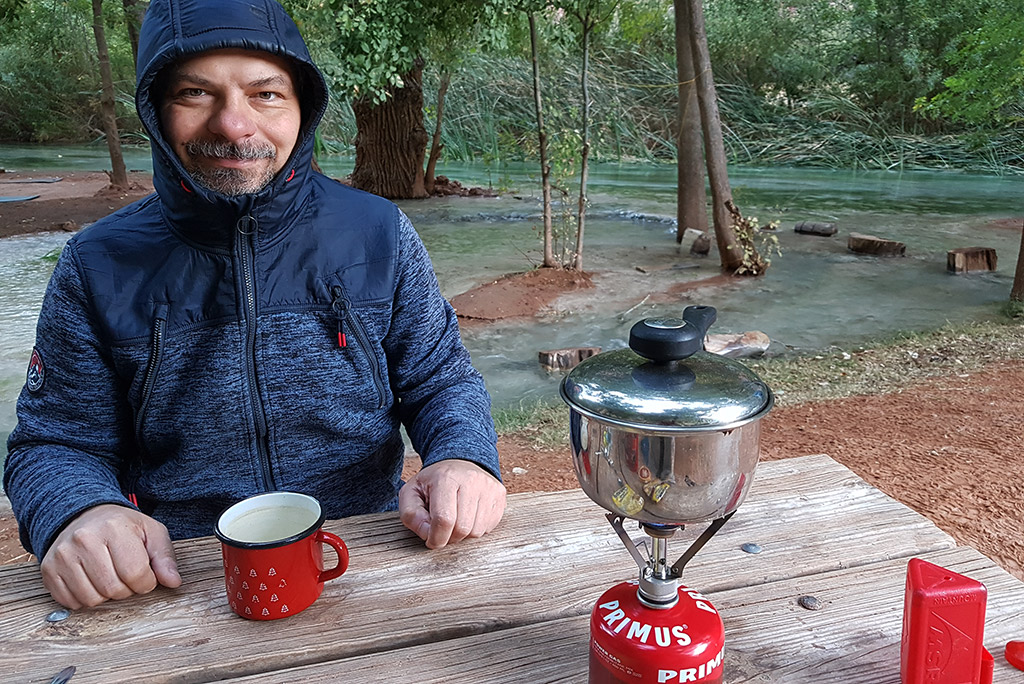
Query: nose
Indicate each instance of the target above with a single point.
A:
(232, 120)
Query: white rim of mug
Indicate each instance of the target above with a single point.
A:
(252, 502)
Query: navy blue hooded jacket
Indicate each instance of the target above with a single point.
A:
(188, 345)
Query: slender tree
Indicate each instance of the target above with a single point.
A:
(587, 17)
(729, 248)
(119, 174)
(435, 144)
(691, 197)
(542, 144)
(134, 10)
(1017, 291)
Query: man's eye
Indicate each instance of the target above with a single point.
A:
(267, 96)
(192, 92)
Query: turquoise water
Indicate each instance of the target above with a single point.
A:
(816, 295)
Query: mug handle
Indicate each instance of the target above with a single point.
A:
(338, 545)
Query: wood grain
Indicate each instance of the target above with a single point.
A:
(853, 638)
(553, 554)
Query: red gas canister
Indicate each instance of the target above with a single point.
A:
(943, 626)
(631, 643)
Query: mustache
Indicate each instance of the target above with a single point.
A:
(226, 150)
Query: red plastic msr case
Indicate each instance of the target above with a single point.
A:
(943, 626)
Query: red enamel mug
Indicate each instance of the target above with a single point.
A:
(272, 547)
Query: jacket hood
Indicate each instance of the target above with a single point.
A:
(173, 29)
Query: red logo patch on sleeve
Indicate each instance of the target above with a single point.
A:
(36, 372)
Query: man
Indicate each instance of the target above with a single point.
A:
(252, 326)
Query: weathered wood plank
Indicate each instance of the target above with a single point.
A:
(855, 637)
(550, 558)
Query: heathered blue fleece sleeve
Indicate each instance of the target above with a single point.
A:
(63, 455)
(442, 399)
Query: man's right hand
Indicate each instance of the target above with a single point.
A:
(108, 552)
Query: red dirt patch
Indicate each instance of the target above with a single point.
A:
(518, 295)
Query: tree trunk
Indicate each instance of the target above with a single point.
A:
(729, 249)
(119, 175)
(435, 144)
(542, 142)
(581, 215)
(1017, 291)
(133, 13)
(391, 141)
(691, 198)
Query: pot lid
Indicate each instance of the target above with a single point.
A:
(666, 382)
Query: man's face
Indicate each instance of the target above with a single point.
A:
(232, 117)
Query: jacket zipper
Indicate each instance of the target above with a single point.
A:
(342, 310)
(247, 228)
(156, 351)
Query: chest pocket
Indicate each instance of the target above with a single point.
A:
(350, 330)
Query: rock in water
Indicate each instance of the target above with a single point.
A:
(738, 346)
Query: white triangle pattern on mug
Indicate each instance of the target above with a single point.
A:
(263, 587)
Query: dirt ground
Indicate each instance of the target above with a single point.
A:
(951, 448)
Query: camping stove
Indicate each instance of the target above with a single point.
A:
(667, 435)
(655, 629)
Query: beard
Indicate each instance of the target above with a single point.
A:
(230, 181)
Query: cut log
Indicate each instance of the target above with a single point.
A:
(564, 359)
(966, 259)
(869, 244)
(739, 346)
(815, 228)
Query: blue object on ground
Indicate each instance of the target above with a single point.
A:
(18, 199)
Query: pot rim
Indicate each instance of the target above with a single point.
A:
(666, 429)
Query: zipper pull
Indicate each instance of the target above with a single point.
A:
(339, 305)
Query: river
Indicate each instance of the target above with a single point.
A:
(816, 295)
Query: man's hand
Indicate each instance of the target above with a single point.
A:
(450, 500)
(108, 552)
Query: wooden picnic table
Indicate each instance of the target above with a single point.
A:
(514, 606)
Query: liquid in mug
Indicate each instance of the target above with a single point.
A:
(269, 524)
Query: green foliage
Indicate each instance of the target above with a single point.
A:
(49, 77)
(988, 84)
(366, 48)
(774, 47)
(897, 52)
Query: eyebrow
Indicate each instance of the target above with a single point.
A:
(190, 77)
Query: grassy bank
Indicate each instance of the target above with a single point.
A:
(886, 365)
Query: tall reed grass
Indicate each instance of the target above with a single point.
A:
(489, 116)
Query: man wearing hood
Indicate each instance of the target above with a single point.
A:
(252, 326)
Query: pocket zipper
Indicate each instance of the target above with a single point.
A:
(341, 307)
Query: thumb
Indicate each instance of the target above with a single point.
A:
(412, 508)
(161, 556)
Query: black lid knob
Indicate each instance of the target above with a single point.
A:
(669, 339)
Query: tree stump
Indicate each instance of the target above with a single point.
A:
(701, 246)
(966, 259)
(814, 228)
(869, 244)
(564, 359)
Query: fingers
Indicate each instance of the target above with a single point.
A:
(161, 557)
(450, 501)
(108, 552)
(412, 507)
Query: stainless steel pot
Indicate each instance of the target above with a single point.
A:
(664, 432)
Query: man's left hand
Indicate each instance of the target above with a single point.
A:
(450, 500)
